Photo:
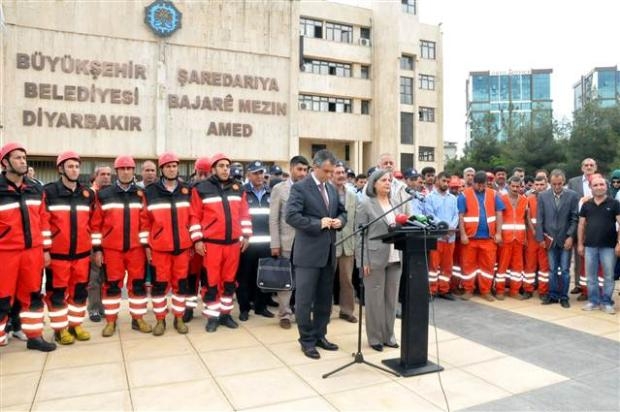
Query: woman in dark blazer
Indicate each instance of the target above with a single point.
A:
(381, 265)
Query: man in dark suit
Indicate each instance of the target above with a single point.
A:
(315, 211)
(556, 230)
(581, 185)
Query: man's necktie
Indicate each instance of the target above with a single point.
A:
(324, 194)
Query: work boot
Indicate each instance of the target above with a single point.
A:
(212, 325)
(500, 296)
(141, 325)
(40, 344)
(516, 296)
(488, 297)
(108, 329)
(64, 337)
(527, 295)
(467, 296)
(228, 321)
(79, 332)
(188, 315)
(180, 326)
(160, 327)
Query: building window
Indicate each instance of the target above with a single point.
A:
(326, 67)
(427, 114)
(324, 104)
(365, 106)
(408, 6)
(311, 28)
(338, 32)
(406, 90)
(427, 49)
(406, 128)
(426, 154)
(365, 33)
(316, 147)
(406, 62)
(406, 161)
(427, 82)
(365, 72)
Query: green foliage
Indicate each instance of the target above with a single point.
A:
(595, 133)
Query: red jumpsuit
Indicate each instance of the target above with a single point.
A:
(67, 276)
(165, 216)
(220, 218)
(510, 262)
(117, 231)
(24, 234)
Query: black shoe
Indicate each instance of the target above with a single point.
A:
(378, 347)
(575, 290)
(40, 344)
(564, 303)
(325, 344)
(311, 352)
(447, 296)
(271, 303)
(264, 313)
(392, 345)
(94, 316)
(548, 301)
(244, 315)
(228, 321)
(212, 325)
(188, 315)
(582, 298)
(348, 318)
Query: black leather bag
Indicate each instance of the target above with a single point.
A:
(274, 274)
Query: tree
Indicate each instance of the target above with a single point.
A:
(596, 134)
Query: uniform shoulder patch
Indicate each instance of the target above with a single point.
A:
(86, 193)
(184, 190)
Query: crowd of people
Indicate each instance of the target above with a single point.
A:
(185, 244)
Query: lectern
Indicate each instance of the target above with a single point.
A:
(414, 243)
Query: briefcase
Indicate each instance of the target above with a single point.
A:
(274, 274)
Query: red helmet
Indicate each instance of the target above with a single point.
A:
(69, 154)
(217, 157)
(9, 147)
(203, 164)
(167, 157)
(124, 161)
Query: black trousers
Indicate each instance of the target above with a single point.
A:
(247, 291)
(313, 302)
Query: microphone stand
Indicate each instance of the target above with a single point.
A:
(358, 357)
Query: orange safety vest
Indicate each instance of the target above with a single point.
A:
(472, 214)
(532, 204)
(513, 224)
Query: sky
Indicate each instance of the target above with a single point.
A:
(570, 37)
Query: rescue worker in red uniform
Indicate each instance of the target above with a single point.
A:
(24, 235)
(221, 227)
(536, 258)
(70, 205)
(165, 217)
(480, 222)
(117, 243)
(510, 264)
(197, 273)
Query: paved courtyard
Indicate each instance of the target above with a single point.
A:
(508, 356)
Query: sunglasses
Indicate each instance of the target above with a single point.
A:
(615, 182)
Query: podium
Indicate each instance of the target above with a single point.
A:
(415, 244)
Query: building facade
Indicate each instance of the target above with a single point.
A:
(501, 102)
(602, 85)
(255, 79)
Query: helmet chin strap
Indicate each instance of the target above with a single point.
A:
(68, 178)
(14, 171)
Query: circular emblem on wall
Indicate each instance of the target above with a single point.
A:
(162, 17)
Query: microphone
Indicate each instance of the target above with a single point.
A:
(415, 194)
(415, 221)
